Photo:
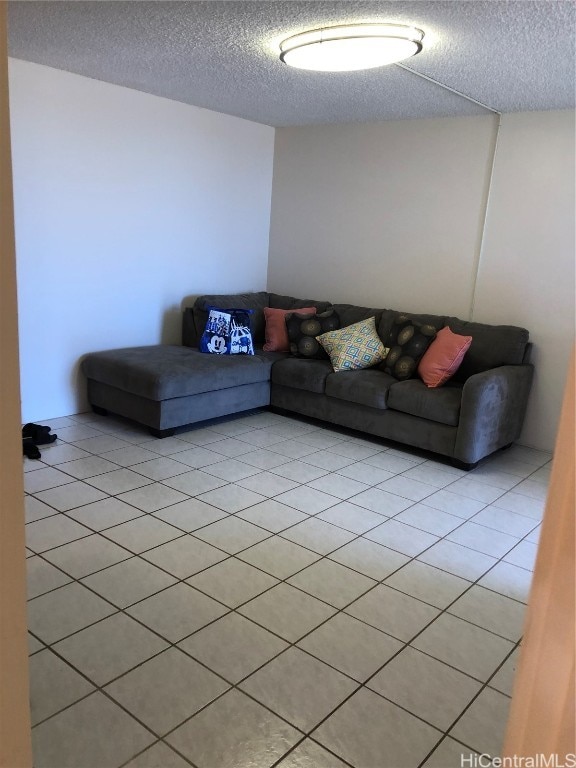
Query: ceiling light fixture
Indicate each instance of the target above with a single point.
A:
(351, 47)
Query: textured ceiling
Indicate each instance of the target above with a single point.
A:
(510, 55)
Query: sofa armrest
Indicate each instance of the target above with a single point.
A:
(492, 412)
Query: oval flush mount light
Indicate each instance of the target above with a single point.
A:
(351, 47)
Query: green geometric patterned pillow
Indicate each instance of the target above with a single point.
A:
(353, 347)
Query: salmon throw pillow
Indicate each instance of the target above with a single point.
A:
(443, 357)
(276, 332)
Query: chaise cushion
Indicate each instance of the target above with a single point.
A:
(164, 371)
(369, 387)
(440, 404)
(300, 373)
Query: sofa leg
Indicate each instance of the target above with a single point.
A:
(161, 432)
(99, 411)
(463, 465)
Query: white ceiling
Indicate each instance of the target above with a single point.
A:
(511, 55)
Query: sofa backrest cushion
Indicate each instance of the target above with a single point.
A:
(492, 346)
(350, 314)
(279, 301)
(389, 316)
(253, 301)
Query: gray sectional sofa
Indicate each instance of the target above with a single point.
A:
(476, 413)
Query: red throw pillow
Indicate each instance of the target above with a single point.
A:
(276, 333)
(443, 357)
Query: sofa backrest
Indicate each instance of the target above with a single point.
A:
(492, 346)
(195, 317)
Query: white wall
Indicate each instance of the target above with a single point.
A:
(383, 214)
(392, 215)
(125, 204)
(526, 274)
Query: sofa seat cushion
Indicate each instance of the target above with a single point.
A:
(302, 373)
(163, 371)
(367, 387)
(414, 397)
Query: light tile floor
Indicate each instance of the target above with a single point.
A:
(264, 591)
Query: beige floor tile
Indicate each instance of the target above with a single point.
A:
(41, 479)
(429, 584)
(351, 646)
(162, 468)
(403, 538)
(365, 473)
(65, 610)
(311, 755)
(232, 582)
(105, 513)
(101, 443)
(231, 498)
(272, 515)
(37, 510)
(317, 535)
(58, 453)
(369, 558)
(450, 754)
(142, 533)
(184, 556)
(430, 520)
(522, 505)
(267, 484)
(287, 612)
(85, 556)
(393, 612)
(482, 727)
(93, 733)
(458, 560)
(83, 468)
(234, 731)
(382, 502)
(299, 688)
(307, 499)
(119, 481)
(158, 756)
(194, 482)
(351, 517)
(152, 497)
(339, 486)
(462, 645)
(232, 534)
(491, 611)
(190, 515)
(523, 555)
(233, 646)
(128, 582)
(482, 539)
(369, 731)
(508, 580)
(43, 577)
(53, 531)
(110, 648)
(331, 582)
(454, 503)
(53, 685)
(230, 470)
(181, 687)
(503, 680)
(69, 496)
(132, 454)
(279, 557)
(299, 471)
(426, 687)
(177, 612)
(505, 521)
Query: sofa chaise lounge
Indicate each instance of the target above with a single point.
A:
(165, 387)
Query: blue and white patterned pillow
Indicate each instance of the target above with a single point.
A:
(227, 332)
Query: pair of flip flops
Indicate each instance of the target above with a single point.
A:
(34, 435)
